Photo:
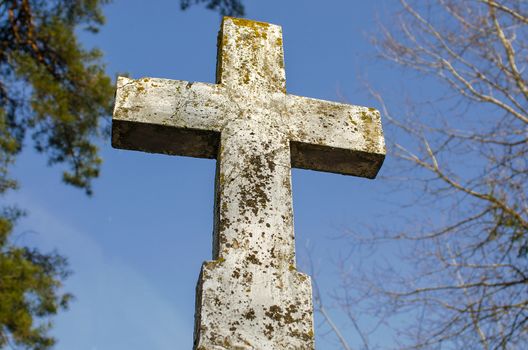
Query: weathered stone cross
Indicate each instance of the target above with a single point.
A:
(251, 295)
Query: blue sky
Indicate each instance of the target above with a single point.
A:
(137, 245)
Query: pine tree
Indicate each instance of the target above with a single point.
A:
(56, 92)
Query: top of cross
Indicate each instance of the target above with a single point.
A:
(324, 136)
(250, 56)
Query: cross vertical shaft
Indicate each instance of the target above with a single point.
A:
(253, 197)
(253, 179)
(251, 295)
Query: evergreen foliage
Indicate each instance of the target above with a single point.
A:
(57, 92)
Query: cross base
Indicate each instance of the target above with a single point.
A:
(253, 308)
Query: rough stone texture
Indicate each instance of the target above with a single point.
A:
(250, 296)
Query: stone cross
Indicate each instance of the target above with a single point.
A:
(251, 295)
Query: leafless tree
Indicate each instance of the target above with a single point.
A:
(464, 283)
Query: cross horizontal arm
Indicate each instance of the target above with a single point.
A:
(334, 137)
(168, 116)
